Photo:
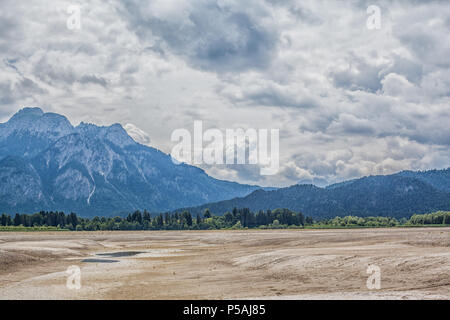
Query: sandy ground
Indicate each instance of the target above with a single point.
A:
(286, 264)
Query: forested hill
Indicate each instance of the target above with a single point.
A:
(398, 195)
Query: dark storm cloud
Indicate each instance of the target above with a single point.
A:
(351, 125)
(278, 99)
(57, 74)
(6, 93)
(316, 123)
(27, 87)
(54, 73)
(300, 12)
(74, 47)
(277, 96)
(93, 79)
(359, 75)
(305, 15)
(362, 75)
(10, 92)
(214, 37)
(9, 27)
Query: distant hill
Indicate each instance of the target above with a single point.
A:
(440, 179)
(48, 164)
(398, 195)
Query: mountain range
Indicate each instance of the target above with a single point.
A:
(397, 195)
(48, 164)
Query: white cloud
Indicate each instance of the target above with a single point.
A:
(137, 134)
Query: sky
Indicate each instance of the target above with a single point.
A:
(349, 100)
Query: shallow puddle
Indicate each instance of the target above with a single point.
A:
(99, 261)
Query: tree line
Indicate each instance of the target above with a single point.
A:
(236, 219)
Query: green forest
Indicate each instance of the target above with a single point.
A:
(236, 219)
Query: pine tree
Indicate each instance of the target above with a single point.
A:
(4, 220)
(228, 217)
(146, 215)
(187, 218)
(17, 219)
(207, 214)
(159, 221)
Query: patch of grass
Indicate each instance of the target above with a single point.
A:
(425, 225)
(377, 227)
(22, 228)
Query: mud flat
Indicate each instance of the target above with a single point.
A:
(286, 264)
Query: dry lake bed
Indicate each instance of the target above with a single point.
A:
(414, 263)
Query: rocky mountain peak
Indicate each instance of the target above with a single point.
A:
(114, 133)
(36, 122)
(28, 113)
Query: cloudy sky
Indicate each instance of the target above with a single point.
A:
(349, 101)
